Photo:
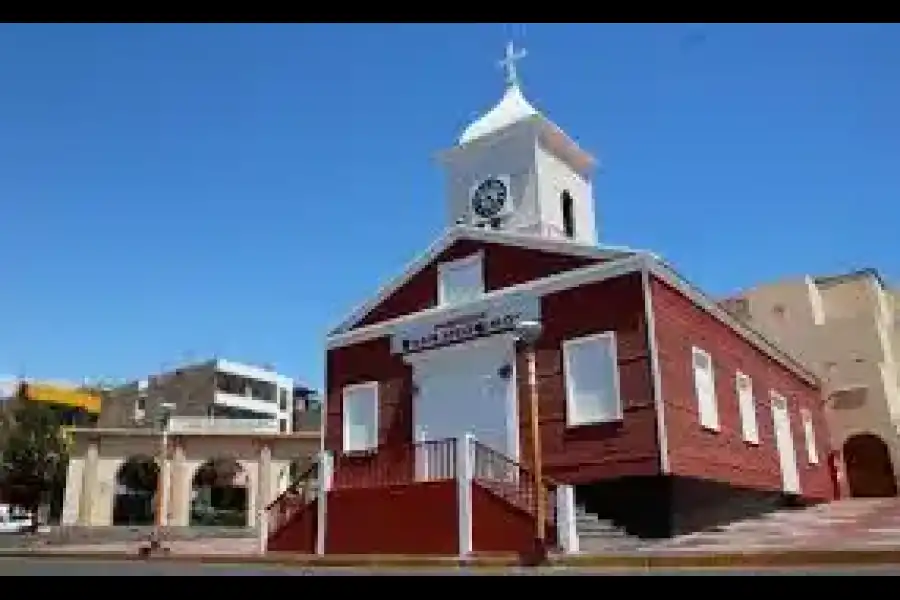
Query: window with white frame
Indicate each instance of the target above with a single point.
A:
(460, 280)
(140, 404)
(140, 407)
(591, 371)
(360, 417)
(747, 408)
(812, 452)
(705, 386)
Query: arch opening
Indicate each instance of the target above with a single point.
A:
(219, 494)
(870, 471)
(134, 500)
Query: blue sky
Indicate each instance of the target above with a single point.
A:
(172, 192)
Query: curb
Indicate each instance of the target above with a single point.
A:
(748, 559)
(373, 561)
(757, 559)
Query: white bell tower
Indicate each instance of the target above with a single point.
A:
(515, 170)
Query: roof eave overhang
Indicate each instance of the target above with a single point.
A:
(638, 261)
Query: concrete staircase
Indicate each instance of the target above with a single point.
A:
(597, 535)
(845, 524)
(851, 523)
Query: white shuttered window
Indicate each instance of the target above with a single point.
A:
(360, 417)
(747, 407)
(705, 386)
(460, 280)
(809, 432)
(591, 369)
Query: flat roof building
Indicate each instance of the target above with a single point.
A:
(212, 389)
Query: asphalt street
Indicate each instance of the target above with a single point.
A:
(67, 567)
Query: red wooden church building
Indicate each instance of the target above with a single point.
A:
(655, 409)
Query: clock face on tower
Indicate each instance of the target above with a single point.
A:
(489, 197)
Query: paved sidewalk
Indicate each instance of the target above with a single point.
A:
(670, 559)
(65, 566)
(203, 547)
(857, 532)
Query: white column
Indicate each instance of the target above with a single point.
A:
(464, 469)
(73, 493)
(263, 476)
(263, 491)
(262, 532)
(89, 484)
(566, 530)
(179, 512)
(326, 479)
(165, 479)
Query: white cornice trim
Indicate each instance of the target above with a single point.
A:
(477, 234)
(540, 287)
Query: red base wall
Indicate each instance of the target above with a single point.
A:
(498, 526)
(419, 518)
(299, 535)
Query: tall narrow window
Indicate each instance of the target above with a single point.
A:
(591, 372)
(812, 452)
(568, 214)
(747, 408)
(360, 404)
(705, 386)
(140, 406)
(460, 280)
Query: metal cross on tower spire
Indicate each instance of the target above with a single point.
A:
(509, 63)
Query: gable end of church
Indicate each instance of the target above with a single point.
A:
(505, 261)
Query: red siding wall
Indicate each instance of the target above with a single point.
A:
(504, 266)
(588, 453)
(498, 526)
(572, 455)
(724, 456)
(299, 535)
(370, 361)
(411, 519)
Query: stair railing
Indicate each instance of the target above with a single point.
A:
(396, 464)
(511, 481)
(300, 493)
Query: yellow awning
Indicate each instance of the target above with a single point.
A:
(51, 394)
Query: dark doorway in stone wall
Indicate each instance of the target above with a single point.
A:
(134, 500)
(219, 494)
(870, 472)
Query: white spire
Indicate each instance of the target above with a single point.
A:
(512, 108)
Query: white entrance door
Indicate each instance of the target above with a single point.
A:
(784, 441)
(467, 388)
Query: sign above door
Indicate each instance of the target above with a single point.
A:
(480, 319)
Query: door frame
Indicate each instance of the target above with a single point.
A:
(505, 341)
